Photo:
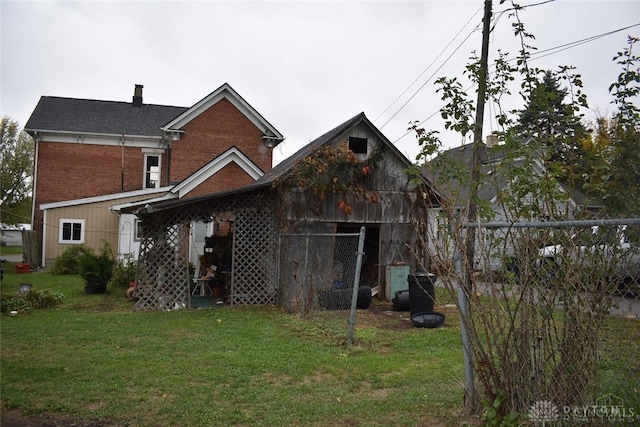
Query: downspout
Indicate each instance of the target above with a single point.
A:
(122, 164)
(168, 163)
(36, 139)
(44, 241)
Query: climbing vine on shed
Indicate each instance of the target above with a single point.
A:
(336, 170)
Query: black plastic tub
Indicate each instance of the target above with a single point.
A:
(401, 301)
(432, 319)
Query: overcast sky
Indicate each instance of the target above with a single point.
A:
(305, 66)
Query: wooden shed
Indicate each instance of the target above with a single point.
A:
(351, 176)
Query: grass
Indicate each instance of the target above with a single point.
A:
(95, 358)
(11, 250)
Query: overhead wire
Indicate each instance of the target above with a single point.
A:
(495, 18)
(538, 55)
(427, 69)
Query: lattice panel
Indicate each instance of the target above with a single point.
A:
(254, 255)
(163, 267)
(163, 273)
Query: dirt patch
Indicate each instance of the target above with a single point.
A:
(381, 315)
(17, 418)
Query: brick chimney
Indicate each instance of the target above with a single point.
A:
(137, 96)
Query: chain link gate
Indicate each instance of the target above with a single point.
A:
(551, 319)
(319, 278)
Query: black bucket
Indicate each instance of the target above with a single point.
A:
(401, 301)
(421, 292)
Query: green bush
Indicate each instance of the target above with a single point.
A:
(33, 299)
(67, 262)
(124, 272)
(97, 269)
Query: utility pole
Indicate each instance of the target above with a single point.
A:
(471, 399)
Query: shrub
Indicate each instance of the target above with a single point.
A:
(67, 262)
(34, 299)
(97, 269)
(124, 272)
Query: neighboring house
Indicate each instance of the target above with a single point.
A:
(93, 158)
(11, 234)
(496, 174)
(253, 217)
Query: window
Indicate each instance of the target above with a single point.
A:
(151, 171)
(358, 145)
(71, 231)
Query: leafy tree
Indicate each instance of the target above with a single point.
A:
(16, 172)
(554, 124)
(625, 185)
(614, 173)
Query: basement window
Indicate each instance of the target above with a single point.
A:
(71, 231)
(358, 145)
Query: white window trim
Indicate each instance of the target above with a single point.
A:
(71, 221)
(137, 226)
(144, 171)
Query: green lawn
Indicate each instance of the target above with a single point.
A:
(95, 358)
(11, 250)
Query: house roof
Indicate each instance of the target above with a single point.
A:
(495, 177)
(150, 192)
(285, 167)
(89, 116)
(225, 92)
(55, 114)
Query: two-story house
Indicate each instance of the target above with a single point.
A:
(93, 158)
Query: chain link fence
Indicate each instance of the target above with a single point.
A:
(550, 318)
(318, 278)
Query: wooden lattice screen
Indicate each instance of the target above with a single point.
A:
(163, 266)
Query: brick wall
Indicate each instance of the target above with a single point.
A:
(74, 171)
(213, 132)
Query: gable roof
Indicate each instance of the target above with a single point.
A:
(233, 154)
(285, 167)
(56, 114)
(225, 92)
(489, 159)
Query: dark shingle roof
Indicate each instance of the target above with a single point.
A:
(100, 117)
(494, 177)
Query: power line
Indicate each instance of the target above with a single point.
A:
(447, 60)
(534, 56)
(426, 69)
